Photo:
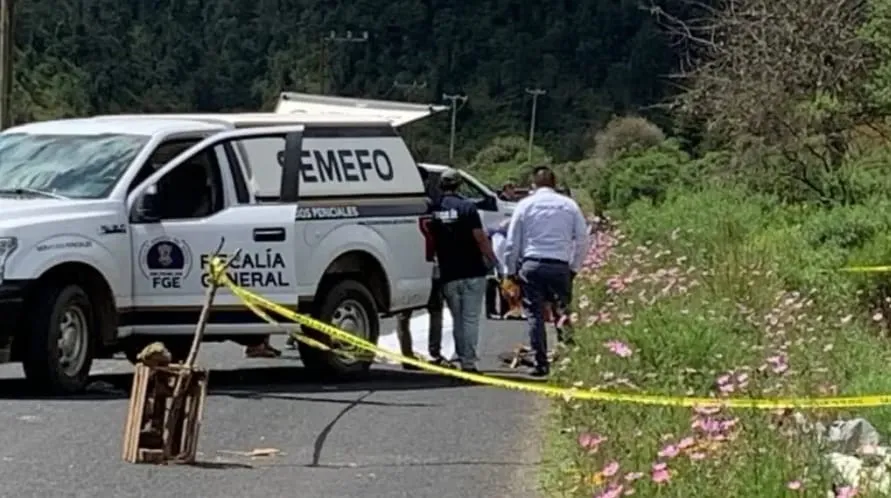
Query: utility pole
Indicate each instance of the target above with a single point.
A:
(6, 51)
(535, 92)
(454, 102)
(331, 37)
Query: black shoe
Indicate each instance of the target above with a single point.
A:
(440, 361)
(540, 371)
(471, 370)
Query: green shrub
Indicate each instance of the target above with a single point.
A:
(640, 174)
(626, 134)
(507, 158)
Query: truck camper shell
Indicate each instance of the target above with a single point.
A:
(397, 113)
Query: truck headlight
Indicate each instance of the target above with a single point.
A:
(7, 246)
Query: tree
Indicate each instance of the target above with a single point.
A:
(596, 58)
(789, 79)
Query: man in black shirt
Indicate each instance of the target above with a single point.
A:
(465, 257)
(434, 304)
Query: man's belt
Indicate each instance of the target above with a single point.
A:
(550, 261)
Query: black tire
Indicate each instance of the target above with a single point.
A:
(344, 292)
(42, 358)
(179, 349)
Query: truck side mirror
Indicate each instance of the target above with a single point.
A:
(148, 207)
(487, 203)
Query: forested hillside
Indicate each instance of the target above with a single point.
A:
(596, 58)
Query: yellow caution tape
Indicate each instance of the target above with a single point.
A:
(257, 303)
(867, 269)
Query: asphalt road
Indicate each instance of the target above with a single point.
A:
(398, 434)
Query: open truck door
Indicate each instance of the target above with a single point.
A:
(397, 113)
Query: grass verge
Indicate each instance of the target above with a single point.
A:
(720, 293)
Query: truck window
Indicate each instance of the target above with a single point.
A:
(470, 190)
(263, 161)
(193, 189)
(241, 189)
(76, 166)
(162, 155)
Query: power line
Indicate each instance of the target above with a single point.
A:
(332, 37)
(409, 87)
(454, 102)
(535, 92)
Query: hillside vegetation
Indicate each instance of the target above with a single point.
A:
(595, 58)
(723, 274)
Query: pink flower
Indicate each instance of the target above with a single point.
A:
(846, 492)
(613, 491)
(660, 473)
(669, 451)
(618, 348)
(610, 470)
(794, 485)
(590, 441)
(778, 363)
(686, 443)
(633, 476)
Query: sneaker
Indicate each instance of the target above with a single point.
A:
(470, 369)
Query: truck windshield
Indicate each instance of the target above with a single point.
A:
(73, 166)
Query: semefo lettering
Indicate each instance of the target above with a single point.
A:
(345, 165)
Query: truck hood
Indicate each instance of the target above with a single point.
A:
(17, 211)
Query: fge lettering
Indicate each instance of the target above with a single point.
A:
(161, 281)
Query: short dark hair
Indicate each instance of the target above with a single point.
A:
(544, 176)
(540, 170)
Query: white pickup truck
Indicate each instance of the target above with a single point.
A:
(493, 209)
(109, 223)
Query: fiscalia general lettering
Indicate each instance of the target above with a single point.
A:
(257, 269)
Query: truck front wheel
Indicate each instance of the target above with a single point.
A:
(58, 349)
(349, 306)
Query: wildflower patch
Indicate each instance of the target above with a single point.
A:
(702, 298)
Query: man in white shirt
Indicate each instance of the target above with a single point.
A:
(546, 244)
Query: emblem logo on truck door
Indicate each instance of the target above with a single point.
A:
(165, 262)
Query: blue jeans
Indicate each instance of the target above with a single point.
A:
(465, 301)
(543, 283)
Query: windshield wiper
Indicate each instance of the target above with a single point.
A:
(31, 191)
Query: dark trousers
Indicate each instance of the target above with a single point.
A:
(543, 282)
(434, 310)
